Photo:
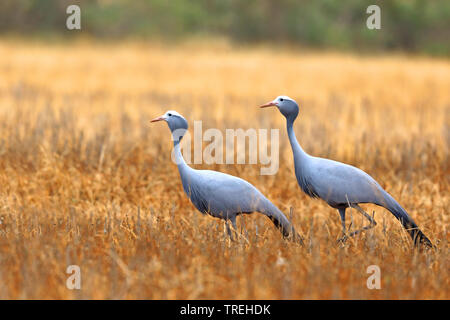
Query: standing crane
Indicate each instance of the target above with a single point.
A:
(218, 194)
(338, 184)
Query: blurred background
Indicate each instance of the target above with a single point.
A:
(418, 26)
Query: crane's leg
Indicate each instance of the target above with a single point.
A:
(230, 234)
(233, 222)
(342, 214)
(372, 222)
(229, 231)
(344, 233)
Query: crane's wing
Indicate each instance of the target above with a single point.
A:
(224, 196)
(218, 193)
(338, 183)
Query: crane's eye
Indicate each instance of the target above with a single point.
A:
(281, 99)
(169, 114)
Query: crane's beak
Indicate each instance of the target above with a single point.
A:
(158, 119)
(269, 104)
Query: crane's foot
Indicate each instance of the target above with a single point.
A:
(354, 233)
(342, 240)
(372, 223)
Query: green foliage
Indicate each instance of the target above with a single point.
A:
(410, 25)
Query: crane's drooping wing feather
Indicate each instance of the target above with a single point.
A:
(220, 194)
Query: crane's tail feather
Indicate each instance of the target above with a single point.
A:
(418, 237)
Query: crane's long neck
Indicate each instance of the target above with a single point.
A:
(182, 165)
(300, 156)
(186, 172)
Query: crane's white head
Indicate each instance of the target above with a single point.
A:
(287, 106)
(176, 122)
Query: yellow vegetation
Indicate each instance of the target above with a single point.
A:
(86, 180)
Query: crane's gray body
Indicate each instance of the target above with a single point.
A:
(222, 195)
(317, 176)
(218, 194)
(340, 185)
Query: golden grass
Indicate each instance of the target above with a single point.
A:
(86, 180)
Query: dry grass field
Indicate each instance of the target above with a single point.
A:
(86, 180)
